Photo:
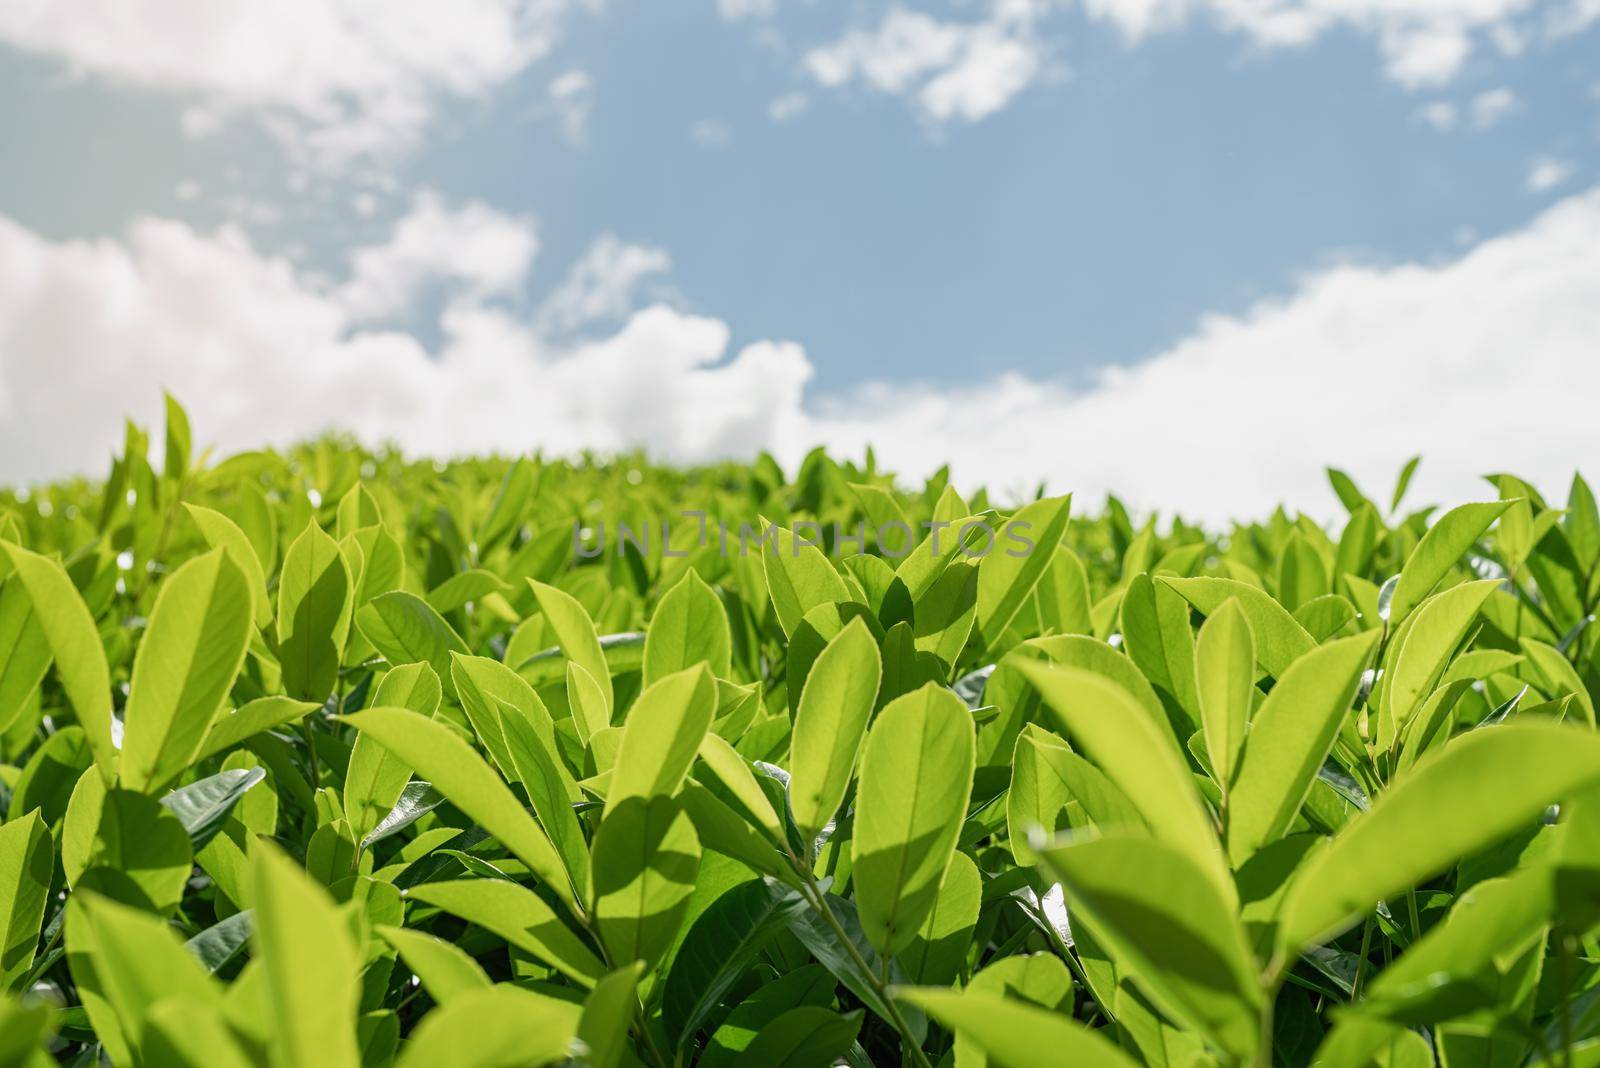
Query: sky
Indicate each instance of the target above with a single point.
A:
(1190, 251)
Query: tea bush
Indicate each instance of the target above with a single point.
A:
(327, 758)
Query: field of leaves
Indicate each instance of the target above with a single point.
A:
(327, 758)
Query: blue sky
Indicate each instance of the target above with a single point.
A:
(912, 218)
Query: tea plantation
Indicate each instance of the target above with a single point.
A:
(329, 758)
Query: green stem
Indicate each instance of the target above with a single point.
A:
(819, 901)
(1567, 976)
(1416, 920)
(644, 1034)
(1361, 960)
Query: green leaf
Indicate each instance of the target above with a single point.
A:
(1455, 532)
(806, 1037)
(26, 1028)
(446, 971)
(125, 845)
(1045, 775)
(310, 964)
(661, 736)
(1289, 741)
(202, 807)
(27, 859)
(1432, 816)
(190, 655)
(1013, 566)
(75, 645)
(518, 916)
(689, 627)
(1559, 675)
(262, 714)
(730, 770)
(123, 962)
(607, 1013)
(1428, 642)
(590, 713)
(503, 1026)
(184, 1033)
(176, 464)
(466, 588)
(24, 654)
(936, 955)
(1015, 1033)
(720, 945)
(405, 630)
(1403, 481)
(222, 941)
(1279, 640)
(549, 787)
(845, 960)
(799, 576)
(375, 777)
(459, 773)
(916, 777)
(830, 725)
(314, 599)
(510, 501)
(220, 532)
(1039, 978)
(1137, 756)
(1153, 907)
(809, 984)
(1225, 669)
(575, 633)
(645, 857)
(415, 801)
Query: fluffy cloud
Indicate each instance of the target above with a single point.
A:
(966, 70)
(336, 79)
(745, 9)
(787, 107)
(1492, 105)
(475, 247)
(603, 286)
(572, 98)
(972, 69)
(1485, 362)
(1546, 173)
(1423, 42)
(264, 354)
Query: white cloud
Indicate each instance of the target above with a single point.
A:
(746, 9)
(787, 107)
(1484, 363)
(967, 70)
(572, 97)
(603, 286)
(1492, 105)
(263, 354)
(709, 133)
(1423, 42)
(478, 249)
(336, 79)
(1546, 173)
(1441, 115)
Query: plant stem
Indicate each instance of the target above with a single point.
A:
(1567, 976)
(645, 1035)
(819, 900)
(1361, 959)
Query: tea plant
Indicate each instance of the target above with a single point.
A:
(329, 758)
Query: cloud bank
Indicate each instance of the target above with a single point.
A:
(336, 80)
(1489, 361)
